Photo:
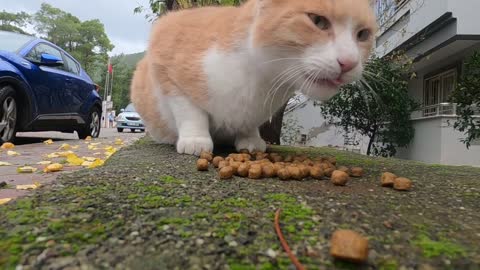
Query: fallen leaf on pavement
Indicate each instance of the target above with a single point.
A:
(5, 163)
(118, 141)
(7, 145)
(48, 142)
(75, 147)
(87, 163)
(44, 162)
(88, 138)
(26, 169)
(65, 147)
(91, 159)
(64, 154)
(25, 187)
(56, 167)
(53, 155)
(96, 163)
(74, 160)
(5, 200)
(13, 153)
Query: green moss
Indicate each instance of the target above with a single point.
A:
(56, 226)
(200, 215)
(132, 196)
(237, 202)
(390, 264)
(431, 248)
(171, 180)
(239, 266)
(174, 221)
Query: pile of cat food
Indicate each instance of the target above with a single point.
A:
(260, 165)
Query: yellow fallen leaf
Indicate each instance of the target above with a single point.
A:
(88, 138)
(97, 154)
(74, 160)
(118, 141)
(53, 155)
(13, 153)
(91, 159)
(96, 163)
(64, 154)
(36, 183)
(75, 147)
(65, 147)
(96, 144)
(5, 163)
(44, 162)
(91, 147)
(5, 200)
(87, 163)
(109, 148)
(56, 167)
(25, 187)
(7, 145)
(48, 142)
(26, 169)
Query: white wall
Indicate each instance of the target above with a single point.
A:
(467, 13)
(454, 152)
(426, 146)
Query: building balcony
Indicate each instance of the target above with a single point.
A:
(441, 110)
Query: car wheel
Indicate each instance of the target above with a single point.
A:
(120, 129)
(8, 114)
(132, 130)
(92, 127)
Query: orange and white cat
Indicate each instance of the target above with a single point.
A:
(220, 72)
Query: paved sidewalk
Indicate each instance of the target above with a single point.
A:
(32, 150)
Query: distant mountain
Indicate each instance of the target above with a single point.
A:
(130, 60)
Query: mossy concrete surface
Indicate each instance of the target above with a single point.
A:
(148, 208)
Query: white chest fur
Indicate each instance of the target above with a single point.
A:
(240, 96)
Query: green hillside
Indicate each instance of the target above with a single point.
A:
(130, 60)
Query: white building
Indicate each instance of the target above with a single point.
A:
(439, 35)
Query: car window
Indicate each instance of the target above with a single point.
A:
(72, 66)
(36, 53)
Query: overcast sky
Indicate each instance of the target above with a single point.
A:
(127, 31)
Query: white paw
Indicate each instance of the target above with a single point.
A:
(251, 144)
(194, 145)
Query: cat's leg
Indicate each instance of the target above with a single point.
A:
(251, 141)
(192, 126)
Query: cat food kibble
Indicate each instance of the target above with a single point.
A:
(223, 163)
(402, 184)
(388, 179)
(283, 174)
(226, 172)
(349, 246)
(295, 172)
(356, 172)
(206, 155)
(255, 172)
(202, 164)
(328, 171)
(216, 161)
(316, 173)
(344, 169)
(339, 178)
(243, 170)
(268, 171)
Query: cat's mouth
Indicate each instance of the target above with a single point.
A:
(331, 83)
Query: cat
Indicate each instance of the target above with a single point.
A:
(221, 72)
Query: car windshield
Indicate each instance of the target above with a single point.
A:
(130, 108)
(13, 42)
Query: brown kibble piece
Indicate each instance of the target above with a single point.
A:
(223, 163)
(349, 246)
(339, 178)
(332, 160)
(316, 173)
(255, 172)
(243, 170)
(328, 171)
(244, 151)
(216, 161)
(202, 164)
(344, 169)
(235, 165)
(268, 171)
(288, 158)
(206, 155)
(304, 170)
(402, 184)
(277, 159)
(388, 179)
(283, 174)
(356, 172)
(295, 173)
(226, 172)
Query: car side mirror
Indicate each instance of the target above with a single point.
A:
(50, 60)
(122, 110)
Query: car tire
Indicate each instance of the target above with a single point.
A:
(133, 130)
(120, 130)
(8, 114)
(92, 126)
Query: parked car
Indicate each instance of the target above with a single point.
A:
(129, 119)
(43, 88)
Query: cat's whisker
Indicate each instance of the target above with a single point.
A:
(279, 85)
(287, 73)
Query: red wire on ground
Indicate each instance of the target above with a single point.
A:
(289, 252)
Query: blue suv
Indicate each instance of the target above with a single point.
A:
(43, 88)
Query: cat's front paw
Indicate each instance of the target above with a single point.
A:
(251, 144)
(194, 145)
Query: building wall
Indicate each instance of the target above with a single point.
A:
(454, 152)
(427, 143)
(467, 13)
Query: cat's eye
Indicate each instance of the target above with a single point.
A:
(320, 21)
(363, 35)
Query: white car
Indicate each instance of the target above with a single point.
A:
(129, 119)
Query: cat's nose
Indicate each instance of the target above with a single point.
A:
(347, 64)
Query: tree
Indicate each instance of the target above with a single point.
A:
(378, 107)
(467, 97)
(13, 22)
(123, 75)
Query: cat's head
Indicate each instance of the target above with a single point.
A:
(326, 41)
